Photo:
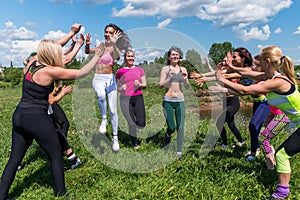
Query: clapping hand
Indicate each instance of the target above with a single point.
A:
(76, 28)
(81, 39)
(195, 75)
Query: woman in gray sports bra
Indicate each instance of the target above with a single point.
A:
(173, 77)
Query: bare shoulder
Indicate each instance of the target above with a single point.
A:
(183, 68)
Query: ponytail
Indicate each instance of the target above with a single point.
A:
(287, 68)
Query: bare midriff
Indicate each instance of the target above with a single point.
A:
(103, 69)
(174, 91)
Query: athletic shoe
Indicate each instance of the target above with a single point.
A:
(136, 146)
(238, 144)
(270, 159)
(76, 164)
(250, 158)
(115, 145)
(179, 155)
(102, 127)
(167, 139)
(225, 146)
(256, 153)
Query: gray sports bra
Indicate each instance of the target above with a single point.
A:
(178, 77)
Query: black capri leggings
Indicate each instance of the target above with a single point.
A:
(133, 109)
(62, 124)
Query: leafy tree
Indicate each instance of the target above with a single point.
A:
(194, 58)
(13, 75)
(219, 50)
(161, 60)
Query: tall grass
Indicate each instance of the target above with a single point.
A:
(219, 174)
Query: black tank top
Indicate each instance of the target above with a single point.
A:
(34, 95)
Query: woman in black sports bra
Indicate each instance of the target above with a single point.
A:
(31, 120)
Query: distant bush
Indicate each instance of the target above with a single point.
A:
(13, 75)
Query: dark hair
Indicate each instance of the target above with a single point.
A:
(178, 50)
(123, 43)
(244, 53)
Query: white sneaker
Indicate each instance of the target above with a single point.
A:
(179, 155)
(115, 145)
(239, 144)
(102, 127)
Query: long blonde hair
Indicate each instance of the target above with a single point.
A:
(50, 53)
(279, 61)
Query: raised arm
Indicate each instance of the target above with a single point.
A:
(72, 45)
(74, 29)
(70, 56)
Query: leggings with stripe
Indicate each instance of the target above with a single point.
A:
(105, 84)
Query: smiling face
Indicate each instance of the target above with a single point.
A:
(129, 58)
(109, 32)
(174, 57)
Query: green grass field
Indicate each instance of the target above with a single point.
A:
(151, 172)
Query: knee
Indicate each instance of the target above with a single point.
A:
(252, 128)
(171, 129)
(282, 161)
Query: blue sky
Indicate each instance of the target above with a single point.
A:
(153, 25)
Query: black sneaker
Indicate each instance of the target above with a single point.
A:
(76, 164)
(167, 139)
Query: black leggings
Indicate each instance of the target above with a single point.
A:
(133, 109)
(231, 108)
(29, 124)
(62, 124)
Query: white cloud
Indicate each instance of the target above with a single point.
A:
(278, 30)
(240, 14)
(253, 33)
(148, 54)
(17, 43)
(298, 31)
(164, 23)
(222, 13)
(54, 35)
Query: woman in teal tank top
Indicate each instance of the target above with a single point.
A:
(281, 89)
